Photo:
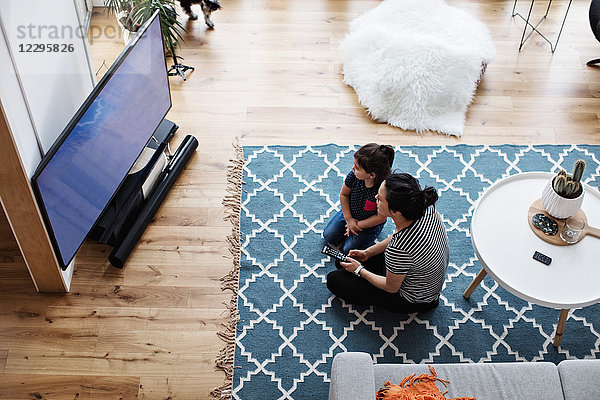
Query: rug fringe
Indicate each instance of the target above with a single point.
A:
(233, 205)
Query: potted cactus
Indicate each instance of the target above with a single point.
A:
(563, 195)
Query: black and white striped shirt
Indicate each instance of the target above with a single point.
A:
(420, 251)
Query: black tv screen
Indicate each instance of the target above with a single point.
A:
(79, 175)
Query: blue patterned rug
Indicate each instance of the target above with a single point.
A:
(291, 326)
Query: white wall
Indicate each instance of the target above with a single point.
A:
(52, 84)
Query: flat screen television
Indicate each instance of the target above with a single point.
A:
(85, 167)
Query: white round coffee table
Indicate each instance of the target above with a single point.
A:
(504, 243)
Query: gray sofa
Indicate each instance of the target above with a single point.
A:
(355, 377)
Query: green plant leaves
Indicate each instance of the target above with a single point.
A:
(140, 11)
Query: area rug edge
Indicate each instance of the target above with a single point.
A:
(232, 203)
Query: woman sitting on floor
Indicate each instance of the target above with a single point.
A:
(405, 272)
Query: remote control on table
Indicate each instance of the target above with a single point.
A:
(333, 252)
(544, 259)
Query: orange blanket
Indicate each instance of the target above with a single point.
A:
(413, 387)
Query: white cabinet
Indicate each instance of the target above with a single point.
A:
(49, 51)
(45, 76)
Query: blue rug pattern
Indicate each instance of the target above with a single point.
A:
(291, 326)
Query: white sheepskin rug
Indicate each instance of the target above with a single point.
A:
(415, 64)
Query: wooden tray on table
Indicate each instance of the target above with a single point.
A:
(537, 207)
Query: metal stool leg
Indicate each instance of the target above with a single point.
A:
(534, 27)
(526, 24)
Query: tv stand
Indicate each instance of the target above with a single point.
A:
(142, 192)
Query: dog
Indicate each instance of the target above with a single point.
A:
(208, 6)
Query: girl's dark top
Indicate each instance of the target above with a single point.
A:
(362, 199)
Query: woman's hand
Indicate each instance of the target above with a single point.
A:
(360, 255)
(352, 227)
(351, 264)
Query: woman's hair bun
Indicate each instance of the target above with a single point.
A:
(430, 196)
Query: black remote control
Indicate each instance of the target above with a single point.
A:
(333, 252)
(544, 259)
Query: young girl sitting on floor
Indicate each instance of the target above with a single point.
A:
(357, 225)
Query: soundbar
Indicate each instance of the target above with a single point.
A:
(182, 155)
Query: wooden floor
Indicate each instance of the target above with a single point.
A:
(269, 73)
